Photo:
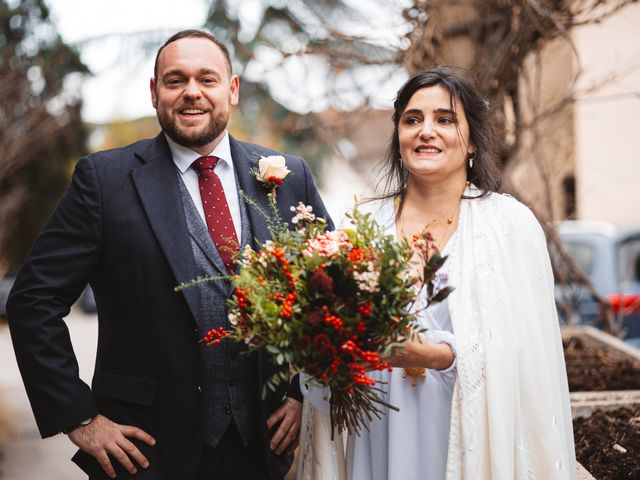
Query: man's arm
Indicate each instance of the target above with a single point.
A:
(55, 272)
(59, 265)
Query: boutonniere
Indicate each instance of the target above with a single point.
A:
(271, 171)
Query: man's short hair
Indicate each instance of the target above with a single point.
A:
(193, 33)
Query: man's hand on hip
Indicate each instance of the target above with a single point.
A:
(102, 438)
(289, 414)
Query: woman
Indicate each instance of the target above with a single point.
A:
(484, 396)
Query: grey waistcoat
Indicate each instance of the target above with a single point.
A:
(230, 375)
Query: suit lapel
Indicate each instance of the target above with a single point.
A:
(244, 160)
(157, 186)
(206, 245)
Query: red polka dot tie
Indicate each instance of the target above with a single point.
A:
(216, 211)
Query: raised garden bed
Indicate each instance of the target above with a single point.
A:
(608, 443)
(597, 361)
(604, 385)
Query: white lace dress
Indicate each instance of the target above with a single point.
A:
(411, 443)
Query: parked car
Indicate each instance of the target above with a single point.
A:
(610, 257)
(86, 301)
(5, 287)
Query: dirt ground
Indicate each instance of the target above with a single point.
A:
(592, 367)
(608, 443)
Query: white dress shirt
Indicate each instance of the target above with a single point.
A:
(184, 157)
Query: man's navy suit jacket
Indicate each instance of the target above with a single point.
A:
(121, 227)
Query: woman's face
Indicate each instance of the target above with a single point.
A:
(434, 140)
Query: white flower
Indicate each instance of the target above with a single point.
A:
(272, 169)
(247, 255)
(265, 251)
(303, 212)
(368, 280)
(262, 259)
(233, 318)
(268, 246)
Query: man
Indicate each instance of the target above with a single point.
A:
(135, 222)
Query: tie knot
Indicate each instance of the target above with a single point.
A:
(205, 163)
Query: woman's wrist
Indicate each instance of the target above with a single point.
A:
(438, 356)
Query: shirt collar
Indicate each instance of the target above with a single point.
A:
(183, 157)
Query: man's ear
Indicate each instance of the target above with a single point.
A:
(154, 95)
(234, 89)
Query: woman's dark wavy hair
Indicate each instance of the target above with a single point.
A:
(484, 174)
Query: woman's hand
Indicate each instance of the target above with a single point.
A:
(423, 354)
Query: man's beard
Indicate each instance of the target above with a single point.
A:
(193, 138)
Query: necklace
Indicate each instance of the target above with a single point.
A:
(447, 222)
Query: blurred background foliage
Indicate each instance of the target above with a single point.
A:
(328, 55)
(41, 131)
(310, 73)
(497, 43)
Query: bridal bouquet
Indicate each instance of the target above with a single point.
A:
(332, 303)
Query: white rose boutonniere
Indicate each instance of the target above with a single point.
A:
(271, 171)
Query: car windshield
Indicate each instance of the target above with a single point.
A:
(582, 254)
(629, 261)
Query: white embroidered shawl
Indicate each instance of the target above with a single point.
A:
(511, 417)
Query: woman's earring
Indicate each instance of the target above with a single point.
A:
(471, 157)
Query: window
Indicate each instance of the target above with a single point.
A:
(569, 189)
(582, 254)
(629, 261)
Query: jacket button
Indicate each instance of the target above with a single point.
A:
(227, 409)
(199, 389)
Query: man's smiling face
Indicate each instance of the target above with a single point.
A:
(193, 93)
